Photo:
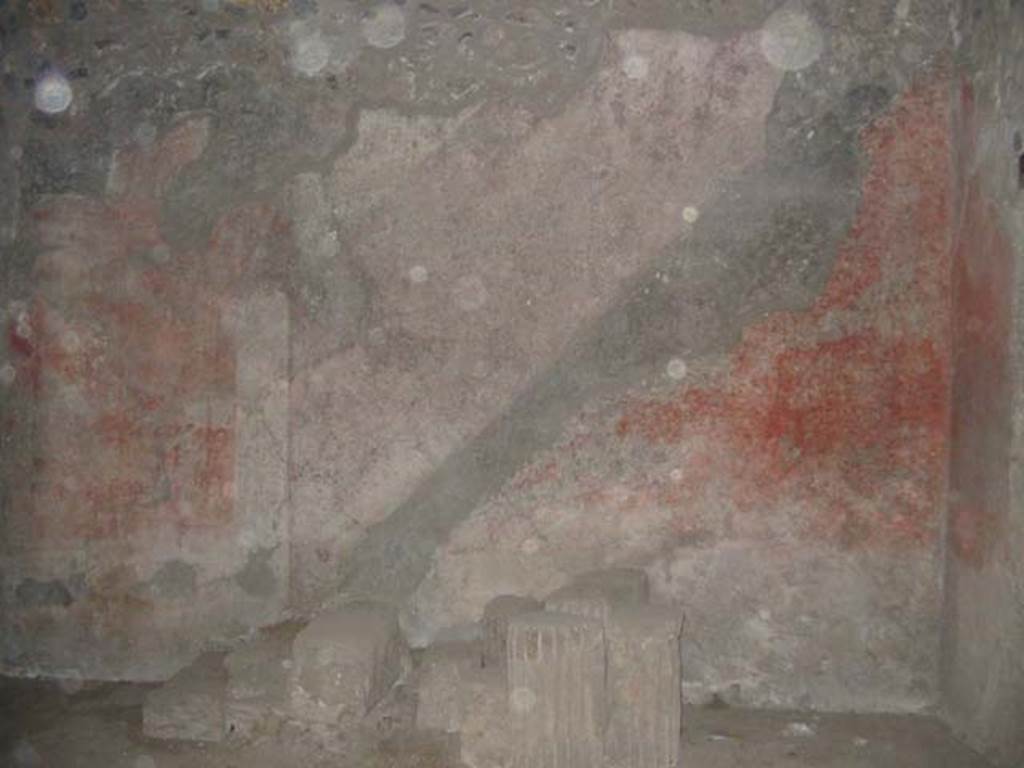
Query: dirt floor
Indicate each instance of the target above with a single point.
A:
(44, 724)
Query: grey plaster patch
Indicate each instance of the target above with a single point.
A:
(174, 579)
(32, 593)
(257, 577)
(145, 133)
(470, 293)
(710, 18)
(24, 755)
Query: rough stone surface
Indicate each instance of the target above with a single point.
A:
(440, 682)
(257, 689)
(190, 706)
(344, 662)
(484, 733)
(596, 593)
(497, 614)
(748, 489)
(457, 695)
(983, 671)
(643, 687)
(99, 729)
(442, 300)
(556, 690)
(395, 714)
(478, 332)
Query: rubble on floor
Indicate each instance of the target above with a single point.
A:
(588, 677)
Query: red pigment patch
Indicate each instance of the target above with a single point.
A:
(126, 476)
(142, 350)
(214, 470)
(536, 475)
(840, 412)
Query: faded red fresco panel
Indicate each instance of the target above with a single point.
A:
(132, 372)
(841, 411)
(148, 439)
(979, 466)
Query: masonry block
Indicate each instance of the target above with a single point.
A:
(495, 624)
(345, 661)
(556, 691)
(457, 695)
(257, 688)
(439, 684)
(190, 706)
(643, 679)
(484, 734)
(594, 593)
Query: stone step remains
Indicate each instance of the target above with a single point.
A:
(556, 690)
(643, 686)
(345, 661)
(189, 706)
(495, 624)
(457, 695)
(594, 593)
(258, 674)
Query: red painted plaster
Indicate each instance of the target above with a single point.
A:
(840, 413)
(140, 352)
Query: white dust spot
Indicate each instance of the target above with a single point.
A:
(522, 700)
(384, 27)
(375, 336)
(310, 55)
(635, 67)
(860, 741)
(161, 253)
(470, 293)
(71, 341)
(676, 369)
(691, 214)
(53, 94)
(23, 325)
(24, 755)
(791, 40)
(676, 475)
(531, 546)
(800, 730)
(902, 9)
(7, 374)
(16, 153)
(418, 274)
(145, 134)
